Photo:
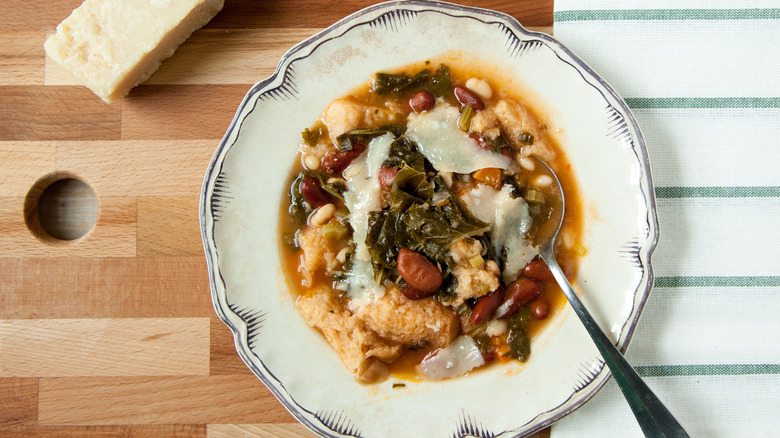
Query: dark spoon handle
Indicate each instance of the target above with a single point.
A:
(653, 417)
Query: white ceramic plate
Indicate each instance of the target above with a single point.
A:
(245, 183)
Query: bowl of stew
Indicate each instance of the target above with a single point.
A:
(369, 218)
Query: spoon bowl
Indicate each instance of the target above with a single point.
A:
(653, 417)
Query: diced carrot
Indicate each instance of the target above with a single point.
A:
(488, 175)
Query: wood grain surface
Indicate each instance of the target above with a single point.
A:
(114, 334)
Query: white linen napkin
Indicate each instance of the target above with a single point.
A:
(703, 80)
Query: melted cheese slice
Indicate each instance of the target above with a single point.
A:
(363, 196)
(510, 221)
(447, 147)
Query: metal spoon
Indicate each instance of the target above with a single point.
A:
(653, 417)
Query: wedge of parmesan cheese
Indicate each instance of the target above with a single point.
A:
(113, 45)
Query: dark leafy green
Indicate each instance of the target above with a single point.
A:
(396, 130)
(347, 140)
(483, 343)
(311, 137)
(342, 274)
(518, 189)
(404, 152)
(519, 345)
(300, 209)
(334, 186)
(518, 341)
(344, 142)
(385, 83)
(526, 138)
(412, 221)
(439, 84)
(447, 293)
(414, 82)
(418, 345)
(500, 144)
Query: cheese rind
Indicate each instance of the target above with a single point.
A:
(113, 45)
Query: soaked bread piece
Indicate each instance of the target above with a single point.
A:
(473, 281)
(361, 349)
(345, 115)
(515, 120)
(408, 322)
(318, 253)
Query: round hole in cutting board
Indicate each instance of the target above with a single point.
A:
(60, 208)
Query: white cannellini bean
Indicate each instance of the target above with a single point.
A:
(447, 178)
(353, 170)
(543, 181)
(311, 162)
(526, 163)
(492, 266)
(342, 255)
(480, 86)
(496, 327)
(493, 133)
(322, 215)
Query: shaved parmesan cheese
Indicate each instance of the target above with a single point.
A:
(510, 221)
(447, 147)
(361, 198)
(457, 359)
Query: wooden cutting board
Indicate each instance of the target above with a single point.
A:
(114, 334)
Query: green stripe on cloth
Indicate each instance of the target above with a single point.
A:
(718, 192)
(707, 370)
(718, 281)
(667, 14)
(702, 102)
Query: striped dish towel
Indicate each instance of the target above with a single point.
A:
(704, 85)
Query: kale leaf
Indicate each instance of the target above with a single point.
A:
(385, 83)
(412, 220)
(517, 339)
(439, 84)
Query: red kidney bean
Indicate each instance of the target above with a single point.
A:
(313, 193)
(481, 141)
(336, 162)
(485, 144)
(486, 306)
(467, 97)
(540, 308)
(522, 291)
(418, 271)
(413, 293)
(538, 269)
(386, 176)
(422, 101)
